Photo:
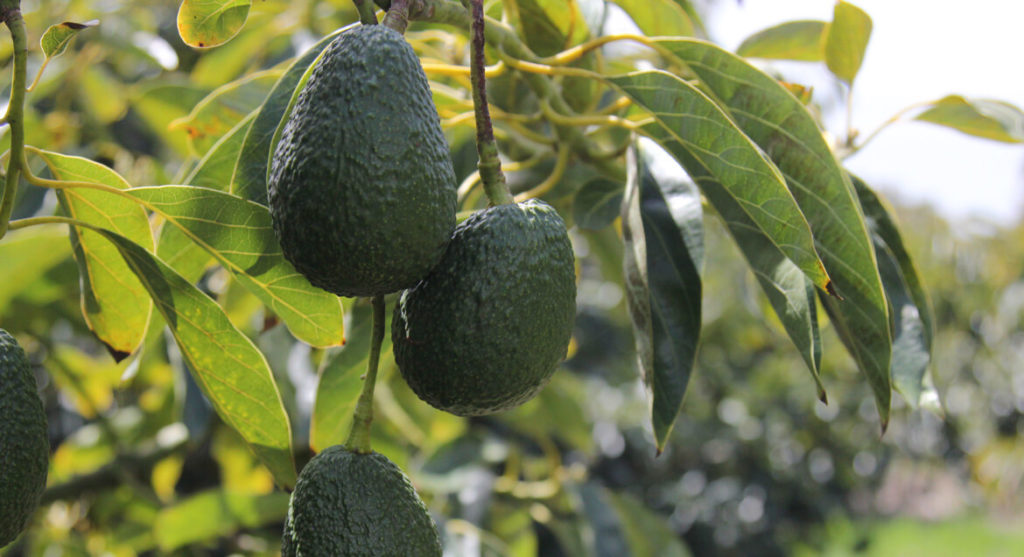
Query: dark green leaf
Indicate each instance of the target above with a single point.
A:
(231, 371)
(646, 532)
(663, 286)
(597, 204)
(56, 38)
(793, 40)
(208, 23)
(710, 136)
(783, 127)
(250, 175)
(978, 117)
(548, 26)
(213, 514)
(658, 18)
(847, 40)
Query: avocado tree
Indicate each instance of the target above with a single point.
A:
(191, 365)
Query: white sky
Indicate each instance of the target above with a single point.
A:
(920, 50)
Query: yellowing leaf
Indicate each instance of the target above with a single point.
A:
(208, 23)
(847, 40)
(56, 38)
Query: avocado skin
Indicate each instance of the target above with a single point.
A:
(347, 503)
(24, 447)
(361, 187)
(486, 329)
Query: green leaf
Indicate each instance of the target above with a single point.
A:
(103, 94)
(214, 171)
(160, 105)
(646, 532)
(663, 285)
(222, 109)
(27, 254)
(115, 305)
(548, 26)
(783, 127)
(658, 18)
(788, 290)
(793, 40)
(847, 40)
(250, 176)
(214, 514)
(985, 118)
(597, 203)
(341, 380)
(227, 366)
(710, 136)
(56, 38)
(240, 236)
(208, 23)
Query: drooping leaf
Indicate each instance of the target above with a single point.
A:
(214, 171)
(985, 118)
(710, 136)
(208, 23)
(239, 235)
(658, 18)
(788, 290)
(213, 514)
(26, 255)
(597, 204)
(548, 26)
(250, 175)
(222, 109)
(847, 40)
(115, 305)
(56, 38)
(231, 371)
(793, 40)
(787, 132)
(663, 286)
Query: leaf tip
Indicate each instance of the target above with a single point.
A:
(118, 355)
(823, 396)
(831, 290)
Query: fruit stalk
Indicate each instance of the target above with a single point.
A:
(359, 437)
(398, 15)
(366, 12)
(10, 11)
(486, 147)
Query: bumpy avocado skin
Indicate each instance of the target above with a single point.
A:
(361, 186)
(351, 504)
(485, 330)
(24, 448)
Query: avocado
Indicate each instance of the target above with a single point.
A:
(347, 503)
(24, 448)
(361, 187)
(484, 331)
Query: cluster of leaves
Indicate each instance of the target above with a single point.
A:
(252, 346)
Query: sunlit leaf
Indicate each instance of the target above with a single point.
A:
(115, 305)
(658, 18)
(985, 118)
(231, 371)
(597, 203)
(793, 40)
(663, 286)
(710, 136)
(213, 514)
(56, 38)
(222, 109)
(787, 132)
(26, 255)
(103, 94)
(208, 23)
(847, 40)
(239, 234)
(250, 176)
(162, 104)
(89, 381)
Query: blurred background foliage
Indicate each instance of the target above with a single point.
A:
(756, 465)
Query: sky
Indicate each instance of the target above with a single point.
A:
(920, 50)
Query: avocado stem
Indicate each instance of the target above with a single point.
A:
(10, 12)
(486, 147)
(359, 437)
(397, 17)
(367, 15)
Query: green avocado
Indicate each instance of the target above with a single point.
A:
(361, 186)
(24, 448)
(484, 331)
(347, 503)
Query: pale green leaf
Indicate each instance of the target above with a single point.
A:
(214, 514)
(115, 305)
(783, 127)
(208, 23)
(160, 105)
(793, 40)
(56, 38)
(103, 94)
(225, 363)
(710, 136)
(27, 254)
(657, 18)
(847, 40)
(985, 118)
